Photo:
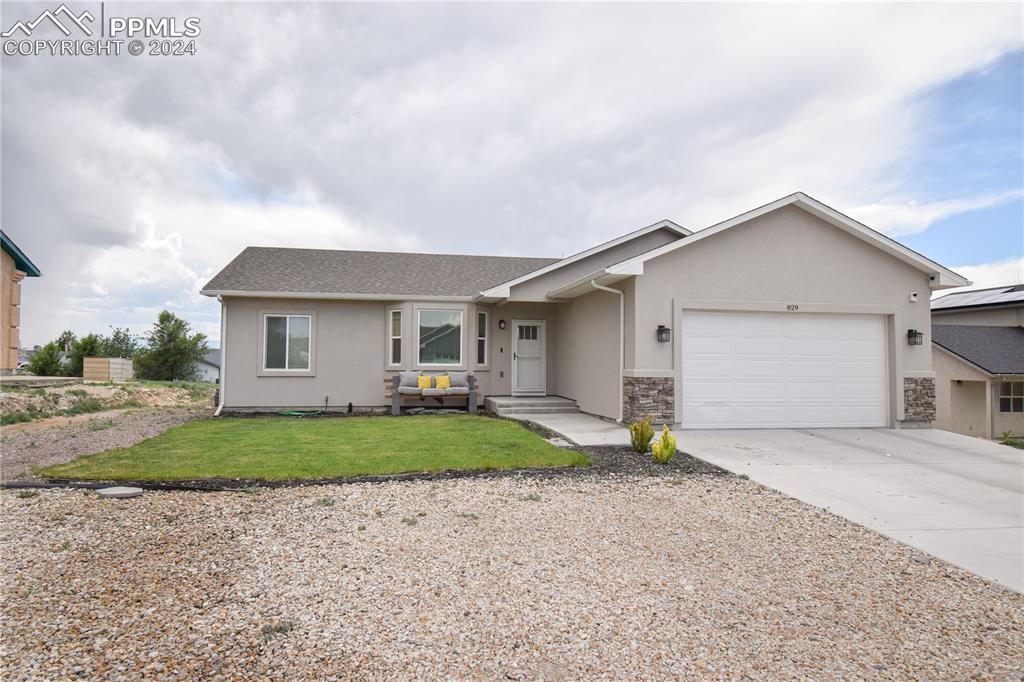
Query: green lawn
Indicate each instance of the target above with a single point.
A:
(283, 448)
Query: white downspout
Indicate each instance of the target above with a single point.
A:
(622, 332)
(223, 354)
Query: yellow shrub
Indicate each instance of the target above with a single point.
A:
(665, 449)
(640, 434)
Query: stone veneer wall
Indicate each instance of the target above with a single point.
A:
(918, 399)
(652, 397)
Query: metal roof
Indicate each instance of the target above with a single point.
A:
(1013, 293)
(21, 261)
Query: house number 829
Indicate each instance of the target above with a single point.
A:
(792, 306)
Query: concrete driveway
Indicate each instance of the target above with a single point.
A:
(958, 498)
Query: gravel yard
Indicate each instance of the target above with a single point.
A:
(23, 450)
(621, 576)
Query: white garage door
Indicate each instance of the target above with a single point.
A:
(765, 370)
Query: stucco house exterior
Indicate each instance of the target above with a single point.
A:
(789, 315)
(14, 267)
(978, 356)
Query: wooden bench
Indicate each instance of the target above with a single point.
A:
(397, 396)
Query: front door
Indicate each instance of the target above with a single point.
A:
(529, 369)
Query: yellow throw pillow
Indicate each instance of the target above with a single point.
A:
(442, 381)
(423, 381)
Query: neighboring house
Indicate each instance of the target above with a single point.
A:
(978, 355)
(789, 315)
(994, 307)
(14, 267)
(209, 367)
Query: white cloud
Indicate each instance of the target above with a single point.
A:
(516, 129)
(999, 273)
(913, 217)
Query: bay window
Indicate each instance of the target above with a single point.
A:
(439, 337)
(481, 339)
(395, 337)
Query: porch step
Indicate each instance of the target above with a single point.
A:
(504, 405)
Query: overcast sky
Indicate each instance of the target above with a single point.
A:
(526, 129)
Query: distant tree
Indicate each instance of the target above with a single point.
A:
(120, 343)
(89, 346)
(66, 341)
(46, 362)
(172, 352)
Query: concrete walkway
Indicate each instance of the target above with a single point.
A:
(958, 498)
(580, 428)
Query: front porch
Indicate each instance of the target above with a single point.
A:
(512, 406)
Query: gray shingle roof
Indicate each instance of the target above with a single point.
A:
(212, 357)
(1009, 294)
(997, 350)
(367, 272)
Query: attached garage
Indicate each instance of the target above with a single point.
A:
(782, 370)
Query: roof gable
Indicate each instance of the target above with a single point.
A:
(941, 277)
(21, 261)
(503, 290)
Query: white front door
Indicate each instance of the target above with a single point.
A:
(529, 369)
(772, 370)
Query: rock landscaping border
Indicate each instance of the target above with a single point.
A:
(605, 461)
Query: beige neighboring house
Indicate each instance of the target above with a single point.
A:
(789, 315)
(978, 355)
(14, 267)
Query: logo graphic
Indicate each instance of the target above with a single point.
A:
(27, 28)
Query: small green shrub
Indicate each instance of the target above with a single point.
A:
(409, 521)
(86, 406)
(1006, 438)
(532, 497)
(19, 416)
(26, 494)
(665, 449)
(325, 502)
(640, 435)
(269, 630)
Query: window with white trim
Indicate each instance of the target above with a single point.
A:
(439, 337)
(1011, 396)
(481, 339)
(395, 337)
(287, 342)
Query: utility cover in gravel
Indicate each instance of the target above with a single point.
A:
(119, 492)
(627, 577)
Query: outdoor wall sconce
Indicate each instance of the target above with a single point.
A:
(501, 324)
(664, 334)
(914, 337)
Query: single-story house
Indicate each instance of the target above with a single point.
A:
(789, 315)
(14, 267)
(978, 356)
(208, 369)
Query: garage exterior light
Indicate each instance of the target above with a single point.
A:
(914, 337)
(664, 334)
